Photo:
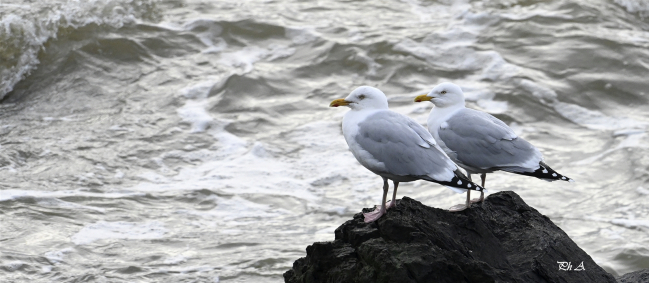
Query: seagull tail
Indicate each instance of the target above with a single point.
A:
(544, 172)
(460, 181)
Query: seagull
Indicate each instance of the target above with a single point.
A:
(479, 142)
(394, 146)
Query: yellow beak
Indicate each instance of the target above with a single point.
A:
(339, 102)
(423, 97)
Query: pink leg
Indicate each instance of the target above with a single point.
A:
(483, 176)
(463, 206)
(377, 213)
(460, 207)
(393, 202)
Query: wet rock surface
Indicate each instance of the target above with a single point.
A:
(501, 240)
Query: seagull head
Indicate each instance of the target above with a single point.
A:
(364, 97)
(443, 95)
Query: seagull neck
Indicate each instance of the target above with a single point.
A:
(449, 109)
(439, 115)
(359, 113)
(352, 119)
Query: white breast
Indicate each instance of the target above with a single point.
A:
(350, 130)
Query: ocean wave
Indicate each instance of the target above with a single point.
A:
(24, 29)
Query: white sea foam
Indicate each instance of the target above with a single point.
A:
(186, 269)
(493, 106)
(579, 115)
(53, 202)
(454, 55)
(628, 222)
(194, 111)
(200, 90)
(628, 132)
(431, 13)
(175, 260)
(542, 93)
(56, 257)
(209, 35)
(245, 58)
(153, 177)
(642, 191)
(631, 223)
(15, 6)
(612, 234)
(237, 208)
(453, 49)
(635, 6)
(118, 128)
(276, 176)
(103, 230)
(327, 231)
(594, 119)
(119, 174)
(11, 194)
(65, 119)
(517, 15)
(13, 265)
(301, 35)
(631, 141)
(25, 49)
(372, 66)
(230, 163)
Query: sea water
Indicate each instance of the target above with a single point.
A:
(191, 141)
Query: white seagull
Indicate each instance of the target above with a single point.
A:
(394, 146)
(480, 143)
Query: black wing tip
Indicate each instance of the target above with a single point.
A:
(459, 181)
(546, 173)
(463, 183)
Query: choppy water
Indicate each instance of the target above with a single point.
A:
(190, 141)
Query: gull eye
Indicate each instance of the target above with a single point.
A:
(443, 92)
(361, 97)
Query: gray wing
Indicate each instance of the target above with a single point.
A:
(395, 140)
(483, 141)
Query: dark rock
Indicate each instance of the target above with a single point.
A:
(500, 240)
(640, 276)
